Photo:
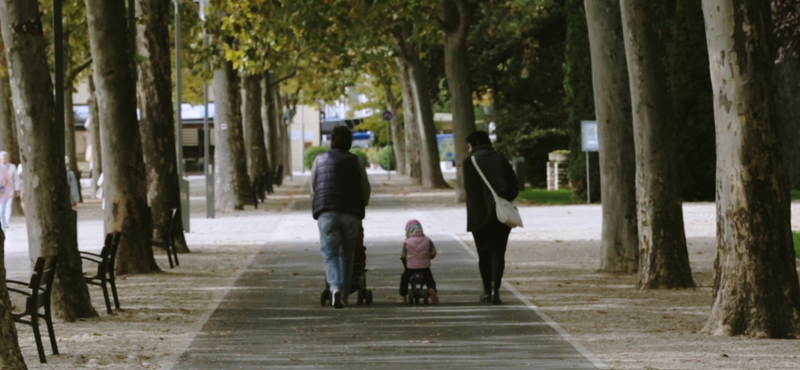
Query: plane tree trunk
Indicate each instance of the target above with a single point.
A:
(619, 245)
(157, 123)
(456, 18)
(398, 139)
(257, 165)
(125, 181)
(52, 224)
(663, 257)
(413, 165)
(10, 354)
(756, 290)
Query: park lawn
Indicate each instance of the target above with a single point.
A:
(795, 194)
(796, 236)
(546, 197)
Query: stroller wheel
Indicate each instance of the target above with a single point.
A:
(360, 299)
(425, 297)
(368, 298)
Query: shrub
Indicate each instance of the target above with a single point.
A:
(312, 153)
(361, 154)
(386, 158)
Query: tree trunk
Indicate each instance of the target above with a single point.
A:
(271, 118)
(456, 17)
(8, 131)
(283, 135)
(124, 179)
(157, 123)
(413, 165)
(756, 291)
(232, 185)
(788, 73)
(398, 140)
(69, 122)
(10, 355)
(97, 153)
(619, 245)
(429, 147)
(52, 225)
(257, 166)
(663, 259)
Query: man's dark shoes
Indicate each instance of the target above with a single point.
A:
(486, 298)
(496, 298)
(337, 300)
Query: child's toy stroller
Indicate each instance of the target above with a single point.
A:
(359, 281)
(418, 289)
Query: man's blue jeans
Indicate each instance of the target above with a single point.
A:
(338, 235)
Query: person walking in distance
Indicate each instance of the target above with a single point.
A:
(340, 190)
(491, 235)
(9, 188)
(74, 197)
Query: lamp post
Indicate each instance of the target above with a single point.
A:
(207, 168)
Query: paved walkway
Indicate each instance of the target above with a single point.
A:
(272, 318)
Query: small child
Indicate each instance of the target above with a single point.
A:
(418, 251)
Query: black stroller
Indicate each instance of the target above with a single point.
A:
(359, 280)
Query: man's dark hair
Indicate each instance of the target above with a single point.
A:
(479, 138)
(341, 138)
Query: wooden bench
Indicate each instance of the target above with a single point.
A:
(105, 268)
(38, 297)
(167, 240)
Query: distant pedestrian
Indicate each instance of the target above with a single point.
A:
(9, 188)
(74, 196)
(491, 236)
(418, 251)
(340, 190)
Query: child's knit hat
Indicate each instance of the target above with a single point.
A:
(412, 227)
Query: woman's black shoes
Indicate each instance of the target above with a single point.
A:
(496, 298)
(486, 298)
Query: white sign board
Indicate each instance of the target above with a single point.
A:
(590, 139)
(309, 136)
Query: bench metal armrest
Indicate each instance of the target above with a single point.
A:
(91, 259)
(17, 282)
(27, 294)
(91, 254)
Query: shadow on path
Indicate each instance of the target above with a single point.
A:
(272, 318)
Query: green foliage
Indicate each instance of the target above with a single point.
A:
(548, 197)
(312, 153)
(526, 85)
(796, 238)
(361, 153)
(579, 99)
(692, 102)
(386, 158)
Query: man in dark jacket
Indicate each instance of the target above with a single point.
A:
(491, 236)
(341, 189)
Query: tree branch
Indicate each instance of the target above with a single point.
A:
(75, 72)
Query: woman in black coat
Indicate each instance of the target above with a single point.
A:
(491, 236)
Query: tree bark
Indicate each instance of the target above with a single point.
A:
(8, 132)
(157, 123)
(69, 120)
(456, 19)
(619, 245)
(788, 73)
(232, 185)
(52, 225)
(663, 258)
(398, 139)
(756, 290)
(10, 354)
(271, 118)
(257, 166)
(413, 164)
(97, 153)
(124, 182)
(283, 137)
(429, 147)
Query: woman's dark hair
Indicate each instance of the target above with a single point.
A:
(341, 138)
(479, 138)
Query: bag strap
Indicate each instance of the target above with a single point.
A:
(485, 181)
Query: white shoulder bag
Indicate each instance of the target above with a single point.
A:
(507, 212)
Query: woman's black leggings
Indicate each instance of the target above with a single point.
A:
(491, 243)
